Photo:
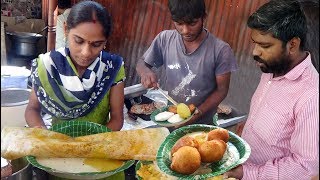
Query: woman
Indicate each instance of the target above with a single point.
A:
(81, 82)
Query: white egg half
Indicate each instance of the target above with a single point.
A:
(163, 116)
(175, 118)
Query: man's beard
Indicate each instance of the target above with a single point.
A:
(195, 36)
(281, 66)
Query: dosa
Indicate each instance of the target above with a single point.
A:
(141, 144)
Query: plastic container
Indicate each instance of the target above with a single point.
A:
(14, 77)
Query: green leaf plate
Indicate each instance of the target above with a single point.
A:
(238, 151)
(75, 129)
(166, 123)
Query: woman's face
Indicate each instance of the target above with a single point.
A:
(86, 40)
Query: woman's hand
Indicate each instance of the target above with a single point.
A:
(32, 112)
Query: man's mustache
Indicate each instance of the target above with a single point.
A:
(256, 58)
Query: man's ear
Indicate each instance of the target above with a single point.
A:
(294, 45)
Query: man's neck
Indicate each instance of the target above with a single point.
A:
(301, 56)
(192, 46)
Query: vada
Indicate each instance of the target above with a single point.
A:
(219, 133)
(212, 151)
(192, 107)
(172, 109)
(186, 160)
(184, 141)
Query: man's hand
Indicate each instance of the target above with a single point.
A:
(197, 114)
(149, 79)
(236, 172)
(239, 128)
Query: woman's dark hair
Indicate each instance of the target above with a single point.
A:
(186, 10)
(284, 19)
(64, 4)
(89, 11)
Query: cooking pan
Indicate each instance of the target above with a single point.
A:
(24, 43)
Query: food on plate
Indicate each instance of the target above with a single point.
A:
(80, 165)
(163, 116)
(152, 172)
(17, 142)
(201, 138)
(192, 107)
(143, 108)
(184, 141)
(219, 133)
(173, 109)
(212, 151)
(175, 119)
(186, 160)
(183, 110)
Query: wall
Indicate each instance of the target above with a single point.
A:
(27, 8)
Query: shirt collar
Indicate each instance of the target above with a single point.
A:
(296, 72)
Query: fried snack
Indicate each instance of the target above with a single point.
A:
(186, 160)
(192, 107)
(184, 141)
(201, 138)
(172, 109)
(212, 151)
(140, 144)
(219, 133)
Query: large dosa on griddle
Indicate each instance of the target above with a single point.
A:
(141, 144)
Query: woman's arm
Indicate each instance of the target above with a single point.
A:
(33, 110)
(116, 107)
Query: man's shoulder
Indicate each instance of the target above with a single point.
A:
(217, 41)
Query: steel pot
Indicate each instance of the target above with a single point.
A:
(24, 43)
(14, 101)
(22, 170)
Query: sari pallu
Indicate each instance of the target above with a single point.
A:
(62, 93)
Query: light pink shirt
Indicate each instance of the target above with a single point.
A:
(282, 128)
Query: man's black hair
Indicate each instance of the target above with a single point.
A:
(284, 19)
(187, 10)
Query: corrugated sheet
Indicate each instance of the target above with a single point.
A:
(137, 22)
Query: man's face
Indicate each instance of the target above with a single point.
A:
(190, 31)
(269, 53)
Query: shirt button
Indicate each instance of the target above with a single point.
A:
(269, 82)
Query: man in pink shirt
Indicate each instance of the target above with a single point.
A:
(282, 128)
